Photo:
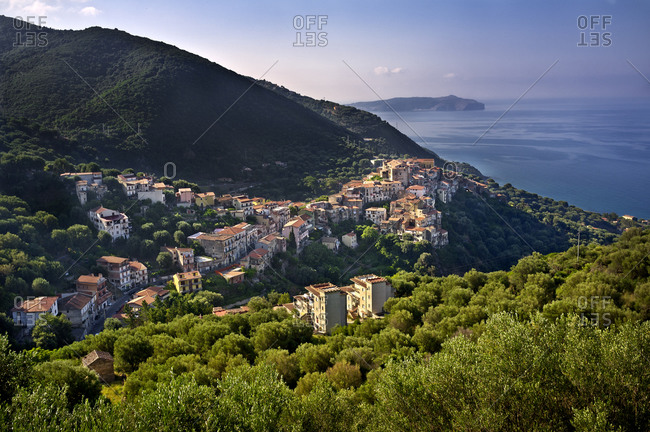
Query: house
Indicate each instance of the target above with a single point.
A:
(132, 184)
(101, 363)
(118, 271)
(331, 243)
(226, 245)
(416, 190)
(324, 305)
(155, 193)
(376, 215)
(259, 259)
(25, 313)
(90, 177)
(147, 295)
(184, 197)
(183, 257)
(204, 264)
(113, 222)
(233, 275)
(139, 273)
(244, 204)
(78, 307)
(82, 187)
(122, 273)
(300, 229)
(204, 199)
(350, 240)
(97, 288)
(368, 294)
(153, 291)
(274, 243)
(188, 282)
(396, 170)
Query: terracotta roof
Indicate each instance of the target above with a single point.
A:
(189, 275)
(36, 305)
(136, 265)
(112, 259)
(89, 279)
(76, 301)
(152, 291)
(258, 253)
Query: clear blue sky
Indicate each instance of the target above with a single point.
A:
(484, 49)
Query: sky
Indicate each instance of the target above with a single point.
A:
(360, 50)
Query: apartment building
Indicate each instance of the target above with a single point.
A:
(113, 222)
(188, 282)
(324, 305)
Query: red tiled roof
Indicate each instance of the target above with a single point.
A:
(112, 259)
(37, 305)
(77, 301)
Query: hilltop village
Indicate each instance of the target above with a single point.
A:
(399, 197)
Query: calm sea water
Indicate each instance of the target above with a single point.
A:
(594, 154)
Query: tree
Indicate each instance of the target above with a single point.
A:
(41, 287)
(165, 260)
(179, 237)
(112, 324)
(52, 332)
(370, 234)
(15, 370)
(344, 375)
(256, 304)
(162, 238)
(130, 351)
(424, 264)
(79, 382)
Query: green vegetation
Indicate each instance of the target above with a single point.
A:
(560, 342)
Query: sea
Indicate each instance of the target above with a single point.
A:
(594, 154)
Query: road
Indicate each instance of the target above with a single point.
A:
(112, 310)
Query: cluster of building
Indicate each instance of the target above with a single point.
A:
(83, 307)
(88, 182)
(326, 306)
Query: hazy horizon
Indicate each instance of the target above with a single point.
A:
(474, 49)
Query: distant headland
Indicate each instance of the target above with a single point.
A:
(446, 103)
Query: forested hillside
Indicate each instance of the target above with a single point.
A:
(132, 101)
(560, 342)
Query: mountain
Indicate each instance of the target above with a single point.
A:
(446, 103)
(98, 88)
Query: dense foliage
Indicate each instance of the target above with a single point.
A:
(560, 342)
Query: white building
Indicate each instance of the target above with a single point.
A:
(26, 313)
(113, 222)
